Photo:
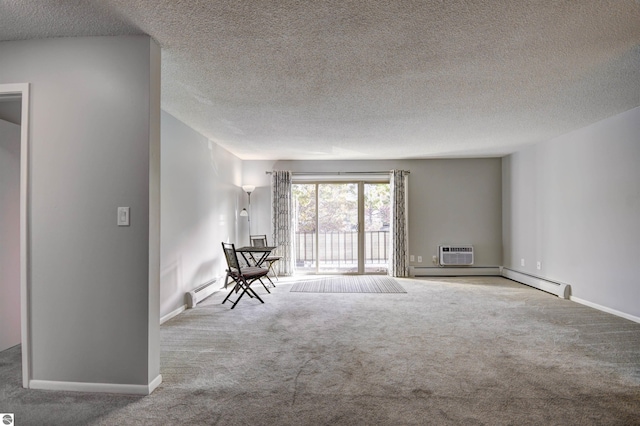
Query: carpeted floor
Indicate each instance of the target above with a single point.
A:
(349, 284)
(449, 351)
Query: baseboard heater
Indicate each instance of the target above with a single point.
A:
(559, 289)
(454, 272)
(200, 293)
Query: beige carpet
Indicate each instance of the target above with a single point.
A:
(475, 351)
(349, 284)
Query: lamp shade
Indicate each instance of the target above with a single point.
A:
(244, 213)
(248, 188)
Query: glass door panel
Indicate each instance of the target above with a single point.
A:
(377, 216)
(305, 222)
(337, 228)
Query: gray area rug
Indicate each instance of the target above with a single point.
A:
(472, 351)
(350, 284)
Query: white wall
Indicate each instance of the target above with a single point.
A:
(200, 195)
(253, 173)
(451, 201)
(573, 204)
(94, 117)
(9, 234)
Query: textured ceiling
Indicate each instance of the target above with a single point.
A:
(366, 79)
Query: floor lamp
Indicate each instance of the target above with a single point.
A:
(248, 189)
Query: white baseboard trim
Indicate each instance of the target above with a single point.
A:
(559, 289)
(417, 271)
(172, 314)
(154, 384)
(97, 387)
(605, 309)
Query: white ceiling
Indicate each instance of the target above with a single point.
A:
(365, 79)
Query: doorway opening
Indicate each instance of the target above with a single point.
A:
(14, 306)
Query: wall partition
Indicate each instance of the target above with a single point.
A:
(449, 201)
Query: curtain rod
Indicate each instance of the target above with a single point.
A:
(341, 173)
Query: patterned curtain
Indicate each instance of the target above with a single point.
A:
(398, 265)
(282, 217)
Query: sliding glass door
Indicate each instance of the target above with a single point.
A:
(341, 227)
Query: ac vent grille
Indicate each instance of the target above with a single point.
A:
(461, 255)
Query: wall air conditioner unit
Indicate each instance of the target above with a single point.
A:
(456, 255)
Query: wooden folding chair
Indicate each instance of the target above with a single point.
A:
(242, 277)
(261, 241)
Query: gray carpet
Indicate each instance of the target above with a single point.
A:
(349, 284)
(475, 351)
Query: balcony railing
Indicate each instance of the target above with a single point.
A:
(340, 248)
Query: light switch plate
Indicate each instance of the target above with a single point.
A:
(123, 216)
